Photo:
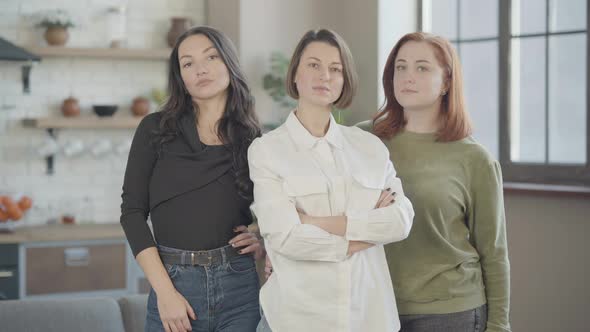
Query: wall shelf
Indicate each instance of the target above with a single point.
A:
(80, 122)
(108, 53)
(83, 122)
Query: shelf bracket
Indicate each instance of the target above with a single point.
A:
(50, 159)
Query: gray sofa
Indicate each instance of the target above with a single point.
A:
(100, 314)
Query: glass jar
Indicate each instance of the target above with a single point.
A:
(117, 24)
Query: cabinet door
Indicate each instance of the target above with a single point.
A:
(8, 271)
(8, 282)
(75, 268)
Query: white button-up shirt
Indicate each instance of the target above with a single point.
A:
(315, 285)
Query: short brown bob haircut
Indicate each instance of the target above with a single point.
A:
(348, 71)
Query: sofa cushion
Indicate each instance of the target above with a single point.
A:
(134, 311)
(89, 315)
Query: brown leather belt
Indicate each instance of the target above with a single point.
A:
(203, 258)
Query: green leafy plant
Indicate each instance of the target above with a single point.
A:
(159, 96)
(274, 81)
(56, 18)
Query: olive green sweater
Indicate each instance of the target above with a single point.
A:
(455, 258)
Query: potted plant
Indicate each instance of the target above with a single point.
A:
(159, 96)
(274, 81)
(56, 23)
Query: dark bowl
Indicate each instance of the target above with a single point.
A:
(104, 110)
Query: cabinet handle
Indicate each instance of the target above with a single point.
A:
(77, 256)
(6, 274)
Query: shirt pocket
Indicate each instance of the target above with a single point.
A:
(364, 193)
(310, 194)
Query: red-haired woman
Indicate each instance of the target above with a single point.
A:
(452, 272)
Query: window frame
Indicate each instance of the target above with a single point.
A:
(526, 172)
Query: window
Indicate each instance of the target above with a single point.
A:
(525, 67)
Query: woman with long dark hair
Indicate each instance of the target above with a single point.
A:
(188, 171)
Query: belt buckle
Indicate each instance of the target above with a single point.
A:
(193, 261)
(210, 258)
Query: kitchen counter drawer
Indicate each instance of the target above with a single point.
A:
(8, 254)
(79, 268)
(8, 282)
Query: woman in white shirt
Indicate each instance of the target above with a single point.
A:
(327, 199)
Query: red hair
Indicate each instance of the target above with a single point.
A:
(455, 123)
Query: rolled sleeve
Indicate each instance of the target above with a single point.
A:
(383, 225)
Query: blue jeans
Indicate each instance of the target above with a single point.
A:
(474, 320)
(224, 296)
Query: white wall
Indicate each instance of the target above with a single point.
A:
(85, 178)
(550, 262)
(225, 15)
(369, 27)
(396, 18)
(278, 29)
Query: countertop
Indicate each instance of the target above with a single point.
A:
(47, 233)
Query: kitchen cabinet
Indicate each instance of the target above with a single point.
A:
(67, 260)
(9, 277)
(74, 267)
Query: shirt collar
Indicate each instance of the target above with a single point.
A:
(305, 140)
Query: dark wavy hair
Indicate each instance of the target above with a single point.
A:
(238, 126)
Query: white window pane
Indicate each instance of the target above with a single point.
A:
(527, 132)
(528, 16)
(444, 18)
(567, 15)
(567, 99)
(480, 73)
(479, 19)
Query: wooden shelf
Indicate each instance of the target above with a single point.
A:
(109, 53)
(83, 122)
(77, 232)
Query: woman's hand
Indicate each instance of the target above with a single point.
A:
(304, 218)
(248, 241)
(385, 199)
(267, 268)
(175, 311)
(356, 246)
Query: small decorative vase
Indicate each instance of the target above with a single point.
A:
(70, 107)
(140, 106)
(178, 26)
(56, 36)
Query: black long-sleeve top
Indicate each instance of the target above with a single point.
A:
(187, 188)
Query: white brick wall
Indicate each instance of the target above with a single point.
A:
(84, 185)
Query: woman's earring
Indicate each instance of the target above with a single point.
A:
(443, 93)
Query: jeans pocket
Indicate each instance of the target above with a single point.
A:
(241, 264)
(172, 270)
(480, 318)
